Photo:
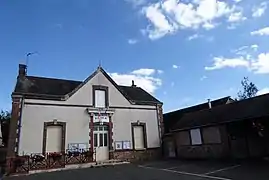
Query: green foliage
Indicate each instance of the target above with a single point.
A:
(5, 115)
(249, 89)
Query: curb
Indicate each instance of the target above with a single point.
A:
(72, 167)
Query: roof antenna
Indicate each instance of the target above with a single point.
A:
(27, 57)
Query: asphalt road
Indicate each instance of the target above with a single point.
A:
(163, 170)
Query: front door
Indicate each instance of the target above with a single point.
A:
(54, 138)
(100, 135)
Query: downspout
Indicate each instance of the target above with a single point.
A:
(19, 125)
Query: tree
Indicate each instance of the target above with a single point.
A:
(249, 89)
(5, 117)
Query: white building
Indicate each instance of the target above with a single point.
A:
(52, 115)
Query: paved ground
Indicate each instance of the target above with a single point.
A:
(167, 170)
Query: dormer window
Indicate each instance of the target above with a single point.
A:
(100, 96)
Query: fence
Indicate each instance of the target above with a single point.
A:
(37, 161)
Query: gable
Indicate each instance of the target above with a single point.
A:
(84, 94)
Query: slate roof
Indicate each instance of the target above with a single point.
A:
(239, 110)
(58, 89)
(171, 118)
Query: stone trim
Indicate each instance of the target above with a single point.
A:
(103, 88)
(91, 125)
(110, 132)
(87, 106)
(110, 126)
(48, 124)
(144, 133)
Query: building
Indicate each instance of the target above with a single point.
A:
(170, 120)
(239, 129)
(53, 115)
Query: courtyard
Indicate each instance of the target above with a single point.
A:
(170, 169)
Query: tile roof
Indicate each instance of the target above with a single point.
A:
(171, 118)
(239, 110)
(57, 89)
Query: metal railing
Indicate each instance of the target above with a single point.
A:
(38, 161)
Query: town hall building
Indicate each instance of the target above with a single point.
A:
(56, 115)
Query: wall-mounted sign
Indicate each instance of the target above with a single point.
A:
(118, 145)
(77, 146)
(126, 144)
(101, 118)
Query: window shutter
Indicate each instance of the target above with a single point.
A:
(100, 98)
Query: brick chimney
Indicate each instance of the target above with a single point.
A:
(22, 70)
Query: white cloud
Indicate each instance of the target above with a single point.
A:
(258, 65)
(144, 71)
(161, 24)
(263, 91)
(231, 26)
(136, 3)
(195, 36)
(244, 50)
(132, 41)
(147, 80)
(167, 17)
(175, 66)
(254, 47)
(160, 71)
(241, 50)
(221, 62)
(203, 78)
(236, 17)
(237, 1)
(258, 11)
(261, 32)
(208, 25)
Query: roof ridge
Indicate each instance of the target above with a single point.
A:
(231, 104)
(198, 105)
(52, 78)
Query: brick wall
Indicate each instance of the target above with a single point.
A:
(205, 150)
(12, 146)
(141, 155)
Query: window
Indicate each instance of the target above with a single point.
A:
(105, 139)
(95, 140)
(196, 137)
(100, 98)
(183, 138)
(211, 135)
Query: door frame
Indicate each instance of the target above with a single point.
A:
(98, 132)
(45, 128)
(135, 124)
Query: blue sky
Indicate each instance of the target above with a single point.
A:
(183, 52)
